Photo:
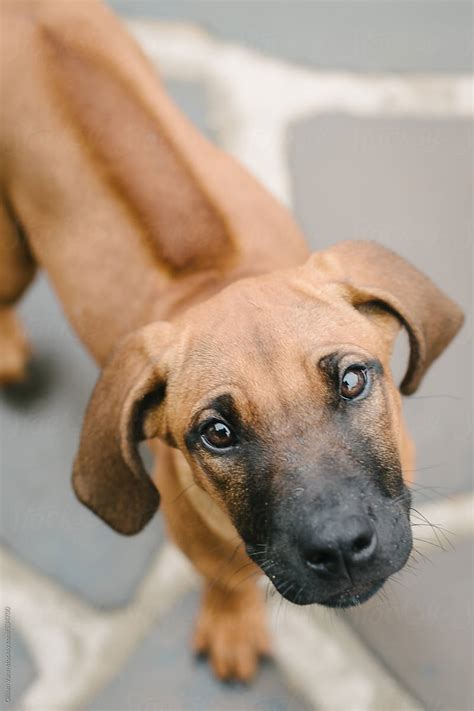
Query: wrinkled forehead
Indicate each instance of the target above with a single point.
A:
(266, 338)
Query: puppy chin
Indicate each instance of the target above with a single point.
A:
(352, 598)
(348, 598)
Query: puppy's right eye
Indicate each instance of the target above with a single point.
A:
(216, 435)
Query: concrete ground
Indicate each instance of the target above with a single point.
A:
(389, 158)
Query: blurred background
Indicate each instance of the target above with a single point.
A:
(359, 116)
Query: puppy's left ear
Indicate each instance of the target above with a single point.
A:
(377, 277)
(109, 477)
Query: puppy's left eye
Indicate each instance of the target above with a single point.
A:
(354, 382)
(215, 434)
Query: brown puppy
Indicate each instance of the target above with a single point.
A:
(261, 376)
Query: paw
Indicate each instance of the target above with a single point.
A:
(232, 632)
(14, 349)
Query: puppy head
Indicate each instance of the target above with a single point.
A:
(279, 394)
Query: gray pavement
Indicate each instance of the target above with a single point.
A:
(359, 35)
(404, 182)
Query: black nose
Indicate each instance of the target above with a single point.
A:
(336, 547)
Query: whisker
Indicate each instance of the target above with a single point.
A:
(225, 542)
(432, 397)
(226, 564)
(186, 488)
(236, 572)
(428, 467)
(435, 528)
(394, 579)
(431, 487)
(438, 530)
(232, 589)
(430, 543)
(267, 589)
(422, 555)
(268, 567)
(260, 554)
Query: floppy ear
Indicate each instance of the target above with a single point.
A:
(379, 277)
(108, 476)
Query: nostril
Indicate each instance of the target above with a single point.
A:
(363, 547)
(361, 542)
(320, 558)
(323, 560)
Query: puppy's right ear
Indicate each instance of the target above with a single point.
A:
(108, 476)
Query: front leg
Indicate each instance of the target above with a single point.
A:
(232, 630)
(231, 627)
(17, 269)
(14, 348)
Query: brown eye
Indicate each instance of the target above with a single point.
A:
(354, 382)
(217, 435)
